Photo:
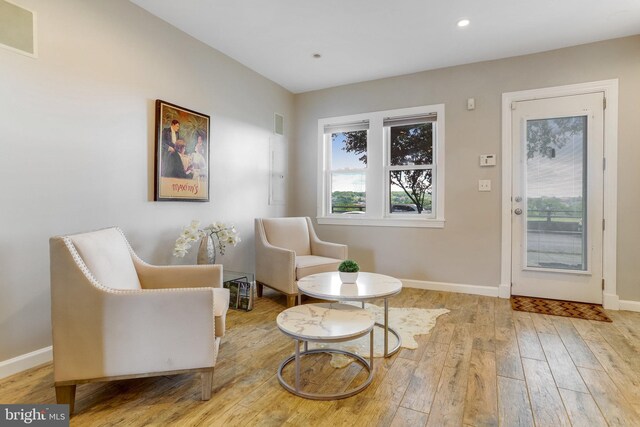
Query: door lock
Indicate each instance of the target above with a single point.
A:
(517, 211)
(518, 199)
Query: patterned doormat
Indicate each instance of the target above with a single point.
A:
(576, 310)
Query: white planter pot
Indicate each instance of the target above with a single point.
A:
(348, 277)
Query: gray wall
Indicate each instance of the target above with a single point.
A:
(467, 250)
(77, 138)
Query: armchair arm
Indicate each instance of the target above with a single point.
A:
(325, 249)
(275, 267)
(329, 250)
(177, 276)
(187, 276)
(133, 332)
(158, 330)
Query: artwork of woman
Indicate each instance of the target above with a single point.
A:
(199, 160)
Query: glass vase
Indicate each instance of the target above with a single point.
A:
(207, 251)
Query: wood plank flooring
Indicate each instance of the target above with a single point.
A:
(482, 365)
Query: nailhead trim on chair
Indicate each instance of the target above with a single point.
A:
(85, 270)
(131, 251)
(83, 267)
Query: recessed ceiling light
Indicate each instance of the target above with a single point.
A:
(463, 22)
(317, 55)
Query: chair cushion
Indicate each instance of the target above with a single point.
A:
(106, 254)
(307, 265)
(288, 233)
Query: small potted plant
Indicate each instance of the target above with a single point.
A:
(348, 270)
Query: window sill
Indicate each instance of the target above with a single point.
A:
(382, 222)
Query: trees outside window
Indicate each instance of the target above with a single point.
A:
(409, 145)
(410, 165)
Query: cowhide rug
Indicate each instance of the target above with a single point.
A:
(408, 322)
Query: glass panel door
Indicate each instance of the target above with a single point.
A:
(556, 193)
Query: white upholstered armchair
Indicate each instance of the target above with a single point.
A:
(116, 317)
(288, 249)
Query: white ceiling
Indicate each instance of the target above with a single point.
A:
(369, 39)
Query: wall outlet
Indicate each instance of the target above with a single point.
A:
(484, 185)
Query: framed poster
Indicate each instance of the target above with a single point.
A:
(182, 154)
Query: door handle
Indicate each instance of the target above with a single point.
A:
(517, 211)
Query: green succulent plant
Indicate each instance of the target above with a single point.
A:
(349, 266)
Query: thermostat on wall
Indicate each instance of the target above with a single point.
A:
(487, 159)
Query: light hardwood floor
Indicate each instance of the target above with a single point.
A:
(482, 365)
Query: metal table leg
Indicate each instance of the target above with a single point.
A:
(297, 364)
(371, 351)
(296, 389)
(388, 329)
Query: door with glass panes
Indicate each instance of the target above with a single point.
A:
(557, 207)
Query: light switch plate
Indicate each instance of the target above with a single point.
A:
(471, 104)
(484, 185)
(487, 159)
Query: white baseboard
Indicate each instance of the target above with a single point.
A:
(489, 291)
(504, 290)
(25, 361)
(630, 305)
(611, 301)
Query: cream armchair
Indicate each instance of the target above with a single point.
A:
(116, 317)
(288, 249)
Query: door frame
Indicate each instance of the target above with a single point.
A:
(610, 298)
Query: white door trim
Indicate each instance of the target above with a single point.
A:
(610, 88)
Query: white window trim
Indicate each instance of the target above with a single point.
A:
(376, 214)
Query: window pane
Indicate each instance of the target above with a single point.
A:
(348, 192)
(349, 150)
(556, 193)
(410, 191)
(411, 144)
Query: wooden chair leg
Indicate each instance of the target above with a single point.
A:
(66, 394)
(260, 289)
(291, 300)
(207, 383)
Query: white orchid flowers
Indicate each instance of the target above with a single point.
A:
(221, 234)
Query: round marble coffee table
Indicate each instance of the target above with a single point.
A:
(325, 323)
(368, 286)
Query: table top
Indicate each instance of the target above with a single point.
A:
(327, 321)
(329, 286)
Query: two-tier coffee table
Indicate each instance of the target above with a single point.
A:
(325, 323)
(328, 286)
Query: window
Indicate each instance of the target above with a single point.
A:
(348, 168)
(409, 165)
(383, 168)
